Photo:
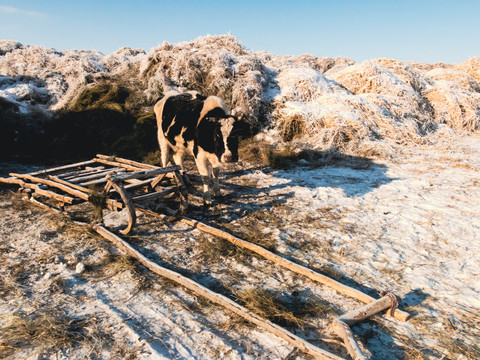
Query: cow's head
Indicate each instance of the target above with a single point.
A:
(229, 136)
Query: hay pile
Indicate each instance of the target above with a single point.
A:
(213, 65)
(312, 101)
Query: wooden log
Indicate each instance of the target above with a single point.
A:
(346, 334)
(154, 195)
(216, 298)
(87, 170)
(51, 183)
(142, 174)
(96, 175)
(366, 311)
(67, 183)
(127, 161)
(157, 180)
(341, 325)
(299, 269)
(118, 164)
(60, 168)
(93, 182)
(139, 184)
(183, 190)
(132, 217)
(38, 190)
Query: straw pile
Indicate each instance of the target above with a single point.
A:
(213, 65)
(318, 102)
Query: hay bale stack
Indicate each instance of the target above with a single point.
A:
(455, 79)
(61, 74)
(213, 65)
(455, 107)
(471, 67)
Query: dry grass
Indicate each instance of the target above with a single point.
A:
(269, 306)
(112, 265)
(46, 329)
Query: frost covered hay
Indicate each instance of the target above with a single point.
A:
(359, 108)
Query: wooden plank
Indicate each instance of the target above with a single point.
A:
(96, 175)
(299, 269)
(154, 195)
(127, 161)
(60, 168)
(144, 173)
(51, 183)
(118, 164)
(38, 190)
(216, 298)
(88, 170)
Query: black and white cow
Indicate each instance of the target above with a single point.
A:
(190, 122)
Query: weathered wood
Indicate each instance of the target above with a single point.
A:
(67, 183)
(118, 164)
(142, 174)
(61, 168)
(341, 325)
(182, 189)
(127, 161)
(96, 175)
(299, 269)
(154, 195)
(132, 217)
(38, 190)
(216, 298)
(346, 334)
(112, 204)
(87, 170)
(366, 311)
(54, 184)
(157, 180)
(139, 184)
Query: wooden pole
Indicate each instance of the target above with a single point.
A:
(132, 217)
(299, 269)
(87, 170)
(59, 168)
(119, 164)
(142, 174)
(127, 161)
(36, 188)
(216, 298)
(341, 326)
(54, 184)
(96, 175)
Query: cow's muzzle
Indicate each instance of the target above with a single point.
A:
(227, 158)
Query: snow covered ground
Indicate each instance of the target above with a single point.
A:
(408, 225)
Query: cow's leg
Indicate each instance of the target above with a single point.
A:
(164, 148)
(216, 182)
(202, 166)
(178, 159)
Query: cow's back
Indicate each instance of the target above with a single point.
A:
(180, 115)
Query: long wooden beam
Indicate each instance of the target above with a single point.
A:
(60, 168)
(127, 161)
(299, 269)
(216, 298)
(341, 325)
(38, 190)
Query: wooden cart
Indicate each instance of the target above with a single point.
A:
(107, 181)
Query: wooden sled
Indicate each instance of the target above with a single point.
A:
(124, 183)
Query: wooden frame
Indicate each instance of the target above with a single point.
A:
(129, 183)
(125, 183)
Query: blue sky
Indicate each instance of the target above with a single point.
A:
(427, 31)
